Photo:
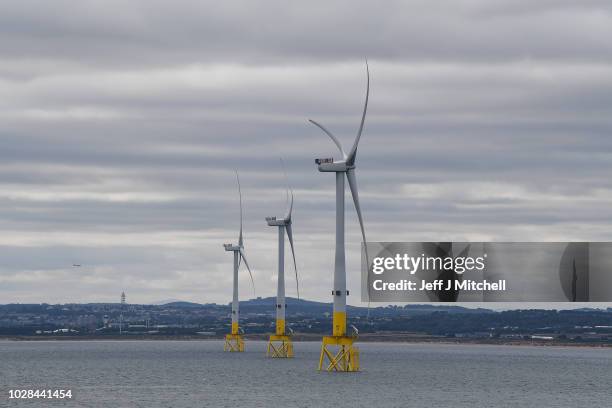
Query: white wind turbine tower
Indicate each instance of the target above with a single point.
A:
(346, 356)
(280, 344)
(234, 340)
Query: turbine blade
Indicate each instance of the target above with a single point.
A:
(248, 269)
(290, 236)
(288, 215)
(286, 183)
(352, 179)
(351, 157)
(333, 138)
(289, 203)
(240, 195)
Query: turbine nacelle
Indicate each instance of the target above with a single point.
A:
(231, 247)
(277, 222)
(329, 165)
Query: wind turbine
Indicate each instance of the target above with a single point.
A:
(280, 344)
(346, 357)
(234, 340)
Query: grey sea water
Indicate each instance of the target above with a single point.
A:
(200, 374)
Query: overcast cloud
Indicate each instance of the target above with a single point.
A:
(121, 127)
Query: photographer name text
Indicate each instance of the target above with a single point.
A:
(440, 284)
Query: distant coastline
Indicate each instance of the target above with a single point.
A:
(396, 338)
(309, 320)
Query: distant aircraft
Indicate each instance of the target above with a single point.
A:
(76, 265)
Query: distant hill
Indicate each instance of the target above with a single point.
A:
(589, 309)
(166, 301)
(180, 303)
(294, 305)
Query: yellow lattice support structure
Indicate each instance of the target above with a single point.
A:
(234, 343)
(280, 346)
(339, 354)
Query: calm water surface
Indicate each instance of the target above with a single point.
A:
(199, 374)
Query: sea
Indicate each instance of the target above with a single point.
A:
(199, 374)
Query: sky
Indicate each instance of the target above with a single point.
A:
(121, 127)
